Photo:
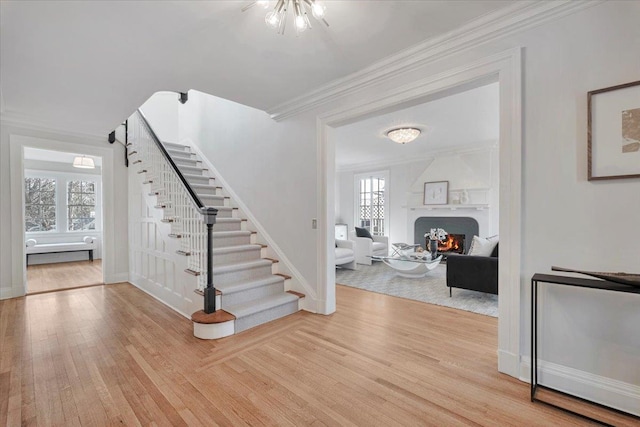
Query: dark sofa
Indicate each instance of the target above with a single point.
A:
(477, 273)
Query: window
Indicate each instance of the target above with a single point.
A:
(61, 202)
(371, 205)
(40, 204)
(81, 205)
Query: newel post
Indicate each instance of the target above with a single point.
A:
(210, 290)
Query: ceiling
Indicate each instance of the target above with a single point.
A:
(55, 156)
(91, 63)
(466, 119)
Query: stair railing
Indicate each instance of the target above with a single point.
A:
(189, 218)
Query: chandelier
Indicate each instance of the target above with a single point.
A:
(277, 18)
(83, 162)
(403, 135)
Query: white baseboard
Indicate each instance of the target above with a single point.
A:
(599, 389)
(116, 278)
(508, 363)
(6, 293)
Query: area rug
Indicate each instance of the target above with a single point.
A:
(431, 289)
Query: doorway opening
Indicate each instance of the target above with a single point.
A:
(457, 153)
(507, 67)
(63, 220)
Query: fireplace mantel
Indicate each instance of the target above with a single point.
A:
(478, 207)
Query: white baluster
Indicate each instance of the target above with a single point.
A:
(188, 221)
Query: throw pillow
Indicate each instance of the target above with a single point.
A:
(363, 232)
(481, 246)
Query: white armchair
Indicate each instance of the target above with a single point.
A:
(346, 254)
(366, 248)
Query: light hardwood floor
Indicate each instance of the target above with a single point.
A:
(114, 355)
(63, 275)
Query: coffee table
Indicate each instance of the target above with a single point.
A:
(400, 248)
(410, 265)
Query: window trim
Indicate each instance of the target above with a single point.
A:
(384, 174)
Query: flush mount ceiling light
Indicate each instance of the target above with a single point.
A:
(403, 135)
(83, 162)
(277, 18)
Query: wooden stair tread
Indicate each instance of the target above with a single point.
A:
(219, 316)
(286, 276)
(298, 294)
(185, 253)
(273, 260)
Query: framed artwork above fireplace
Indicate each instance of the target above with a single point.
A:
(436, 193)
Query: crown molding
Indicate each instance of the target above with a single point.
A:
(25, 121)
(515, 18)
(383, 164)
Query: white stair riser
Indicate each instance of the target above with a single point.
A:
(209, 190)
(198, 180)
(212, 202)
(238, 276)
(222, 242)
(244, 323)
(236, 257)
(183, 161)
(191, 170)
(176, 147)
(175, 154)
(227, 226)
(252, 294)
(227, 213)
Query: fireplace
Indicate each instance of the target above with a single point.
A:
(453, 244)
(460, 229)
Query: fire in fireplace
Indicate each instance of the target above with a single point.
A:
(454, 244)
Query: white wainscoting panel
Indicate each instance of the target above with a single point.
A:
(155, 266)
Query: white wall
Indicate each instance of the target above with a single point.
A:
(273, 168)
(161, 110)
(21, 134)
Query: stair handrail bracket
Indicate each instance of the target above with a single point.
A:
(182, 208)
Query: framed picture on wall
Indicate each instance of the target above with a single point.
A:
(613, 137)
(436, 193)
